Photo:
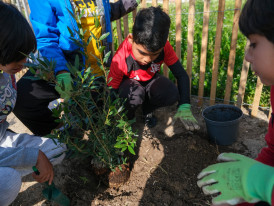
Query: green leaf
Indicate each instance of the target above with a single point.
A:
(101, 49)
(32, 78)
(130, 149)
(30, 65)
(76, 61)
(97, 23)
(71, 13)
(42, 63)
(119, 145)
(124, 149)
(106, 57)
(81, 32)
(82, 13)
(89, 39)
(104, 36)
(120, 109)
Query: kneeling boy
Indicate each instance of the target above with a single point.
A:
(134, 71)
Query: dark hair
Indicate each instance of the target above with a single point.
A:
(16, 36)
(151, 28)
(257, 17)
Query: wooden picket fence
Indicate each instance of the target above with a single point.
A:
(22, 4)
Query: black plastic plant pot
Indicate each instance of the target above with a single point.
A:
(222, 123)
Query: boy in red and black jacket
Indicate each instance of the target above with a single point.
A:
(134, 71)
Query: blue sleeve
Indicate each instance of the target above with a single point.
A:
(44, 22)
(18, 157)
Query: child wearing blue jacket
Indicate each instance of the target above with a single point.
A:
(50, 20)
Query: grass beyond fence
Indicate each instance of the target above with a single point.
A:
(248, 90)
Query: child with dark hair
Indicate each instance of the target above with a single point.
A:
(19, 152)
(50, 20)
(241, 179)
(134, 71)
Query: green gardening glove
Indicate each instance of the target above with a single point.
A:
(238, 179)
(185, 115)
(64, 85)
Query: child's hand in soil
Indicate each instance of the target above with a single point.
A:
(45, 169)
(185, 115)
(238, 179)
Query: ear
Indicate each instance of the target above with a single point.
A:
(130, 38)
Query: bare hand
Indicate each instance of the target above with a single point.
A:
(45, 168)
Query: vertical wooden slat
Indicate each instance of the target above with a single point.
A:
(119, 30)
(154, 3)
(190, 38)
(243, 79)
(134, 13)
(112, 44)
(144, 4)
(178, 37)
(232, 53)
(26, 9)
(166, 6)
(203, 52)
(270, 112)
(257, 97)
(166, 9)
(18, 5)
(126, 30)
(7, 1)
(217, 47)
(20, 74)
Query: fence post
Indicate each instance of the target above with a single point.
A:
(257, 97)
(232, 53)
(26, 9)
(18, 5)
(119, 30)
(217, 47)
(144, 4)
(270, 111)
(190, 38)
(154, 3)
(243, 79)
(134, 13)
(203, 52)
(126, 30)
(178, 5)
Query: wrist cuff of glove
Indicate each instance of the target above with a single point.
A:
(261, 186)
(184, 107)
(63, 75)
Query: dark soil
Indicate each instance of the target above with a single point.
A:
(164, 171)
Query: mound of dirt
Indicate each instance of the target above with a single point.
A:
(164, 171)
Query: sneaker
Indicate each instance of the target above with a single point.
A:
(150, 120)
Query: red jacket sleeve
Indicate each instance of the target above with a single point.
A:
(266, 155)
(117, 67)
(170, 55)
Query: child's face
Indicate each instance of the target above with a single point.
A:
(261, 56)
(13, 67)
(141, 54)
